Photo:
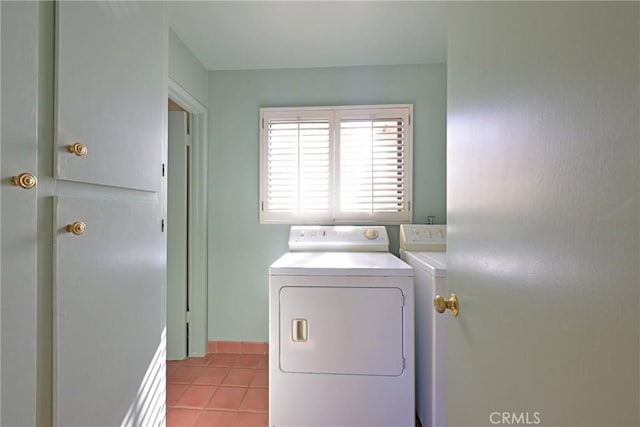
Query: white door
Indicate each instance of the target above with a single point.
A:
(98, 359)
(361, 322)
(177, 237)
(543, 213)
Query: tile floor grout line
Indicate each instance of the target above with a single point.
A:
(254, 363)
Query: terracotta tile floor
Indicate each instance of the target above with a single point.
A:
(221, 389)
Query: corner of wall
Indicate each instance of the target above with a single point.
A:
(186, 70)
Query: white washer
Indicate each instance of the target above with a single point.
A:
(341, 322)
(423, 247)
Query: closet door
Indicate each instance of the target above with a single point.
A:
(18, 281)
(109, 341)
(110, 273)
(111, 62)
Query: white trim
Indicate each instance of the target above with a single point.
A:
(338, 107)
(198, 229)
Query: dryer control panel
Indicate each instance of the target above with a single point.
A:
(423, 237)
(338, 238)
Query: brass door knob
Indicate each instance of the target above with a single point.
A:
(77, 228)
(25, 180)
(78, 149)
(441, 305)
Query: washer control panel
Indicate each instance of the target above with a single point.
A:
(423, 237)
(339, 238)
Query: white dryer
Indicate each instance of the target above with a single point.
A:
(424, 248)
(341, 340)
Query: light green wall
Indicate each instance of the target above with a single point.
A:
(186, 70)
(240, 249)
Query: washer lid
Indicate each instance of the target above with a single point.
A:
(434, 263)
(340, 264)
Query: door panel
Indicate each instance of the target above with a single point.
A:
(111, 68)
(177, 237)
(543, 213)
(109, 313)
(366, 324)
(19, 220)
(132, 394)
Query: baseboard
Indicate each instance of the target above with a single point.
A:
(238, 347)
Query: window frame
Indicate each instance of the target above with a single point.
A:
(334, 114)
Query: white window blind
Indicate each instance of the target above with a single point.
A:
(298, 165)
(336, 165)
(372, 163)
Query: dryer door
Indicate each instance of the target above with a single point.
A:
(342, 330)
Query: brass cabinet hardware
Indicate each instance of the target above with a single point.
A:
(77, 228)
(441, 305)
(25, 180)
(78, 149)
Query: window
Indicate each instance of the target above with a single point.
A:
(329, 165)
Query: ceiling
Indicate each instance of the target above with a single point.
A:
(241, 35)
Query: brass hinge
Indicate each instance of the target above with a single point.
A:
(163, 169)
(187, 317)
(409, 119)
(162, 225)
(263, 123)
(262, 205)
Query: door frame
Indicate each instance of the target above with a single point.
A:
(197, 219)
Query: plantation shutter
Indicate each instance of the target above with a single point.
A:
(327, 165)
(298, 166)
(374, 164)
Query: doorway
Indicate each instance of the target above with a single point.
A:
(185, 213)
(177, 228)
